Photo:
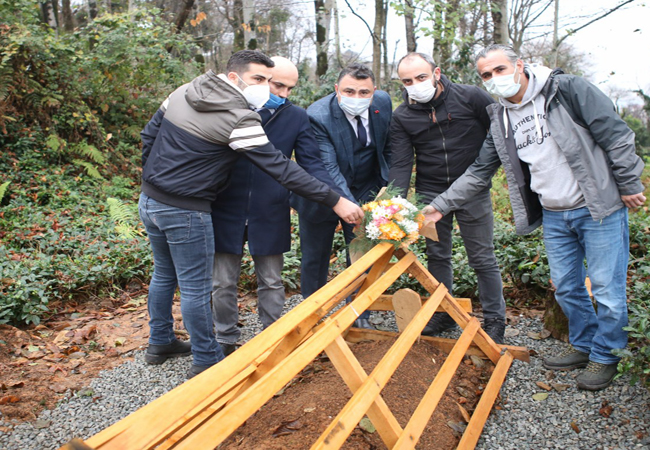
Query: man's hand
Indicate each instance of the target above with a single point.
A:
(431, 214)
(348, 211)
(633, 201)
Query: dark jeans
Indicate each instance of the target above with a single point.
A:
(182, 242)
(476, 223)
(316, 239)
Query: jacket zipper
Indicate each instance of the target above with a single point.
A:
(444, 143)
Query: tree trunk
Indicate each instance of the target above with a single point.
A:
(237, 24)
(409, 22)
(68, 18)
(337, 36)
(91, 5)
(554, 319)
(500, 21)
(376, 40)
(49, 15)
(183, 14)
(323, 14)
(250, 34)
(107, 5)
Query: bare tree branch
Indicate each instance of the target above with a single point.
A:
(363, 20)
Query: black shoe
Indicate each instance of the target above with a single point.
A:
(228, 348)
(158, 354)
(596, 376)
(439, 322)
(363, 323)
(567, 360)
(195, 370)
(495, 328)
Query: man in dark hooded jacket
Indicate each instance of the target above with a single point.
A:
(441, 126)
(188, 150)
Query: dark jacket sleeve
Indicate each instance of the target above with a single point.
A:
(307, 154)
(481, 101)
(608, 129)
(402, 156)
(148, 135)
(476, 178)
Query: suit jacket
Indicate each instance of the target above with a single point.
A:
(255, 200)
(336, 139)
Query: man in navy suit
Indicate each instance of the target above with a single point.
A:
(255, 208)
(351, 126)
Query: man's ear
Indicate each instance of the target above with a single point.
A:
(232, 76)
(336, 89)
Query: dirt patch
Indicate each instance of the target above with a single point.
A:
(297, 416)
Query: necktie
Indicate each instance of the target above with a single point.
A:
(361, 132)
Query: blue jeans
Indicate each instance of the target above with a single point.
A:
(570, 238)
(270, 292)
(182, 242)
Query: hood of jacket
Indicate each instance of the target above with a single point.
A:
(537, 77)
(444, 81)
(211, 92)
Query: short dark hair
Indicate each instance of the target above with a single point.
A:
(424, 56)
(358, 72)
(240, 60)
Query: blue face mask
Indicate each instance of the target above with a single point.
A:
(274, 102)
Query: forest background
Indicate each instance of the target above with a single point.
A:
(80, 79)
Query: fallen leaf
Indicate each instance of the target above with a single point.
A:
(366, 425)
(33, 348)
(544, 386)
(478, 362)
(463, 412)
(458, 427)
(560, 387)
(9, 399)
(464, 392)
(5, 429)
(58, 388)
(287, 427)
(308, 410)
(575, 427)
(606, 409)
(120, 341)
(40, 424)
(540, 396)
(511, 332)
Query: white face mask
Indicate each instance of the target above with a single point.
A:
(422, 92)
(256, 94)
(503, 86)
(354, 106)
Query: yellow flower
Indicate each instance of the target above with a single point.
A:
(391, 231)
(370, 206)
(385, 202)
(398, 217)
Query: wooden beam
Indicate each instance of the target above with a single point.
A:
(418, 422)
(337, 432)
(353, 374)
(355, 335)
(222, 424)
(385, 303)
(484, 406)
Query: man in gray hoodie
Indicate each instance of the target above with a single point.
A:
(571, 165)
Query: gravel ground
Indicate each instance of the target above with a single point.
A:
(564, 420)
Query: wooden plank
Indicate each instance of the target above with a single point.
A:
(353, 374)
(182, 401)
(222, 424)
(406, 303)
(482, 411)
(341, 427)
(446, 345)
(429, 402)
(385, 303)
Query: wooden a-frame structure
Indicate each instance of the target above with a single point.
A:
(202, 412)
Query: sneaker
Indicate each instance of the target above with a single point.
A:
(567, 360)
(228, 348)
(495, 328)
(158, 354)
(439, 322)
(363, 323)
(596, 376)
(195, 370)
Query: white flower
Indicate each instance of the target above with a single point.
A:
(408, 226)
(372, 231)
(404, 203)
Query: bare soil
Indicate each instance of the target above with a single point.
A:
(296, 417)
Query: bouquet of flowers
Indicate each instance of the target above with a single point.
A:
(390, 218)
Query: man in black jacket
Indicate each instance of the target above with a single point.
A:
(188, 150)
(441, 126)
